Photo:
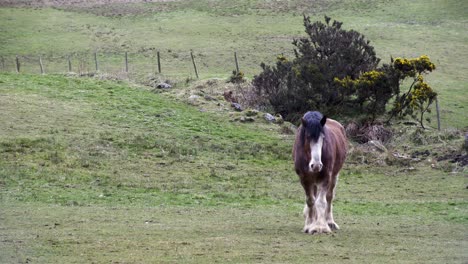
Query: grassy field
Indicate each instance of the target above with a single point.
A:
(97, 171)
(258, 30)
(100, 171)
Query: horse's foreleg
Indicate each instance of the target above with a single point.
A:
(330, 196)
(319, 223)
(309, 207)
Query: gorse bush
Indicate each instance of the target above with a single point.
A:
(375, 88)
(307, 81)
(236, 77)
(420, 96)
(336, 72)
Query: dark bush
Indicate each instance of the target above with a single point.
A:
(308, 81)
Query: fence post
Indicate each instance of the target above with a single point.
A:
(69, 64)
(41, 65)
(438, 113)
(159, 62)
(17, 64)
(194, 65)
(96, 61)
(237, 63)
(126, 62)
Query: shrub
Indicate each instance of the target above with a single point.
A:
(375, 88)
(335, 71)
(308, 80)
(236, 77)
(420, 96)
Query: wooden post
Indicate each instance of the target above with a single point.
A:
(237, 63)
(69, 64)
(126, 62)
(17, 64)
(96, 61)
(41, 65)
(194, 65)
(438, 113)
(159, 62)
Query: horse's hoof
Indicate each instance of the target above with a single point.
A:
(306, 230)
(320, 230)
(333, 226)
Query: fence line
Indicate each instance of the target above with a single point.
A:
(138, 64)
(108, 62)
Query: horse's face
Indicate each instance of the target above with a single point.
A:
(313, 124)
(315, 154)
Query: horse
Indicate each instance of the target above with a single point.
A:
(319, 152)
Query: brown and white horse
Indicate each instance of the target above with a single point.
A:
(319, 153)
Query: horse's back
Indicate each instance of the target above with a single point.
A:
(338, 131)
(338, 134)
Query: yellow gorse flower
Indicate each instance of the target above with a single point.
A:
(282, 58)
(367, 79)
(419, 65)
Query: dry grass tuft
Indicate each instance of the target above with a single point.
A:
(368, 132)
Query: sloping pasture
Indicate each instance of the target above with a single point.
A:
(105, 172)
(257, 30)
(96, 171)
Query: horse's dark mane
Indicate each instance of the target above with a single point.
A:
(311, 127)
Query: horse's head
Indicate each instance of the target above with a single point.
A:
(313, 124)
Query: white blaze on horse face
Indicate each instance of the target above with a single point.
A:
(315, 164)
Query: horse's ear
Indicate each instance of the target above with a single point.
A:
(323, 121)
(303, 121)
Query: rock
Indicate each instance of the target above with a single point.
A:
(244, 119)
(237, 107)
(193, 100)
(164, 86)
(270, 118)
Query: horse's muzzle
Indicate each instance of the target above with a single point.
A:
(317, 167)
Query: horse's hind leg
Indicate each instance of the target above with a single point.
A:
(329, 213)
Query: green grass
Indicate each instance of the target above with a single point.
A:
(101, 171)
(210, 235)
(257, 30)
(98, 171)
(103, 125)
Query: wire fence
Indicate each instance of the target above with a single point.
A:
(139, 65)
(144, 66)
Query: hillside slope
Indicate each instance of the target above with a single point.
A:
(84, 133)
(101, 171)
(257, 30)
